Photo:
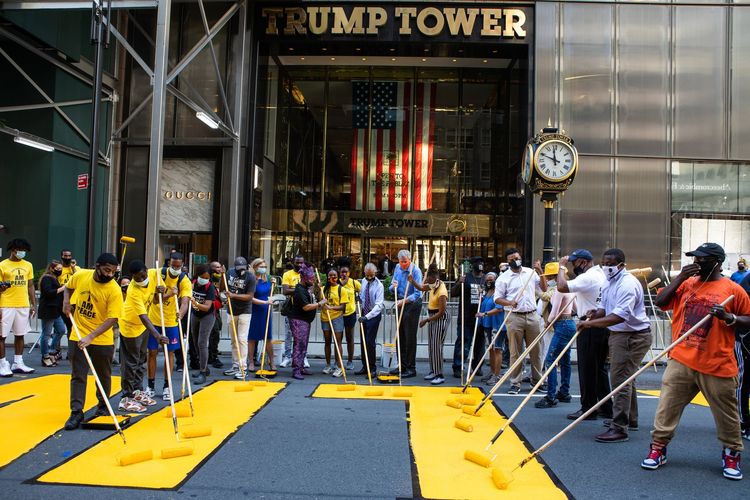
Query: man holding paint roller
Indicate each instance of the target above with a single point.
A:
(241, 289)
(176, 286)
(705, 361)
(524, 322)
(217, 271)
(411, 307)
(371, 296)
(624, 313)
(473, 283)
(97, 308)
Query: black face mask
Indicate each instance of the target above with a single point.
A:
(297, 267)
(477, 268)
(515, 264)
(241, 272)
(578, 270)
(66, 261)
(707, 267)
(369, 278)
(489, 285)
(102, 278)
(741, 267)
(56, 272)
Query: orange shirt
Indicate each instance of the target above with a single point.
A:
(710, 349)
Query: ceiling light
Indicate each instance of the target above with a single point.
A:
(454, 60)
(393, 58)
(392, 50)
(324, 49)
(426, 50)
(301, 58)
(357, 49)
(484, 60)
(364, 58)
(33, 144)
(333, 59)
(291, 49)
(423, 59)
(207, 119)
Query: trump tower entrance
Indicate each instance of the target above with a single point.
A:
(388, 127)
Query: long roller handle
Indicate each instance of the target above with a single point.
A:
(184, 345)
(364, 344)
(268, 322)
(167, 368)
(234, 330)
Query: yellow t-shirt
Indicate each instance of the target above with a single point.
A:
(20, 273)
(335, 300)
(353, 287)
(290, 278)
(137, 302)
(96, 302)
(170, 313)
(67, 272)
(435, 295)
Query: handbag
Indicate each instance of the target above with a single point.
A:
(286, 308)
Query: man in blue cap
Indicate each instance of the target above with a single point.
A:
(592, 343)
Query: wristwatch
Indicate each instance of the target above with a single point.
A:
(734, 320)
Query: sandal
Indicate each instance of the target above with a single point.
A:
(48, 361)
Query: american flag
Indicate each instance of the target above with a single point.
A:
(382, 168)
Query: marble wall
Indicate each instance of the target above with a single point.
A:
(187, 195)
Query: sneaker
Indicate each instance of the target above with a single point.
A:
(180, 368)
(545, 402)
(337, 372)
(238, 376)
(166, 394)
(563, 398)
(514, 389)
(730, 462)
(101, 411)
(429, 376)
(350, 365)
(74, 421)
(746, 434)
(494, 379)
(285, 362)
(149, 392)
(542, 388)
(21, 367)
(306, 363)
(217, 363)
(130, 405)
(143, 398)
(115, 362)
(232, 371)
(328, 370)
(200, 379)
(487, 377)
(437, 380)
(655, 459)
(457, 373)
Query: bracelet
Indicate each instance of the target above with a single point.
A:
(734, 320)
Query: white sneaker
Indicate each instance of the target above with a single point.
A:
(149, 392)
(306, 364)
(131, 406)
(166, 394)
(21, 367)
(5, 368)
(285, 362)
(238, 376)
(350, 365)
(234, 369)
(142, 398)
(337, 372)
(328, 370)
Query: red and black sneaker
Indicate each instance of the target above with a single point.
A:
(655, 459)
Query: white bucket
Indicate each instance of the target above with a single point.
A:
(389, 357)
(278, 351)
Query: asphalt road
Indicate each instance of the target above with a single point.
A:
(300, 447)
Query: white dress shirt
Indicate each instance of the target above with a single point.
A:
(508, 285)
(376, 297)
(588, 289)
(623, 297)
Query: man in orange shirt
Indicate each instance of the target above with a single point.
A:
(705, 360)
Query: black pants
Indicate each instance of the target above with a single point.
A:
(101, 357)
(371, 332)
(407, 335)
(133, 357)
(213, 339)
(744, 389)
(593, 375)
(479, 344)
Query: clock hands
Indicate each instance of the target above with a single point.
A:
(551, 158)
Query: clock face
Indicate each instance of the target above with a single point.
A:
(528, 156)
(555, 160)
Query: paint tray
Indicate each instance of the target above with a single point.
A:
(105, 423)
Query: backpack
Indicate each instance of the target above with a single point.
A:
(164, 276)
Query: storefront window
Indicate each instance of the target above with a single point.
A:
(710, 187)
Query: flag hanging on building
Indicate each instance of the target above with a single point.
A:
(382, 166)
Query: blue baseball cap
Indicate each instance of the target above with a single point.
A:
(581, 253)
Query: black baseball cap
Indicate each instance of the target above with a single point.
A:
(708, 250)
(240, 263)
(581, 253)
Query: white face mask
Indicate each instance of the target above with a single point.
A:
(174, 272)
(20, 254)
(143, 283)
(202, 281)
(262, 270)
(611, 271)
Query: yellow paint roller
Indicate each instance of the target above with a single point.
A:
(464, 424)
(125, 241)
(474, 411)
(134, 457)
(346, 388)
(482, 459)
(468, 400)
(457, 390)
(243, 387)
(177, 451)
(400, 393)
(502, 478)
(454, 403)
(180, 412)
(265, 373)
(374, 392)
(641, 272)
(654, 283)
(195, 431)
(384, 378)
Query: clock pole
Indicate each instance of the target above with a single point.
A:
(548, 250)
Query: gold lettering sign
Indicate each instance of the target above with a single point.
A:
(188, 195)
(427, 21)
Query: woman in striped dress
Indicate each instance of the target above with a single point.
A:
(438, 319)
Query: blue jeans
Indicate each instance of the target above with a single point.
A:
(47, 326)
(564, 331)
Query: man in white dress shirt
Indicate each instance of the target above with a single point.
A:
(371, 296)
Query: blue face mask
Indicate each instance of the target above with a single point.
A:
(262, 270)
(20, 254)
(203, 281)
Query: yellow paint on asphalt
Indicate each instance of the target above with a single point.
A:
(438, 447)
(700, 399)
(217, 406)
(36, 408)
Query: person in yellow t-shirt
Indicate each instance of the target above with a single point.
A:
(17, 304)
(350, 314)
(289, 281)
(135, 330)
(68, 266)
(173, 284)
(97, 308)
(332, 315)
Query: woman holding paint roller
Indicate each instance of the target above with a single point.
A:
(350, 314)
(50, 312)
(332, 315)
(492, 316)
(301, 315)
(438, 319)
(261, 302)
(203, 318)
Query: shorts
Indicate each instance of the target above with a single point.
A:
(350, 321)
(338, 324)
(499, 341)
(16, 319)
(173, 334)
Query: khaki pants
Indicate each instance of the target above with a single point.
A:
(242, 325)
(679, 386)
(626, 351)
(524, 327)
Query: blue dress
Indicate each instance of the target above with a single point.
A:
(258, 318)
